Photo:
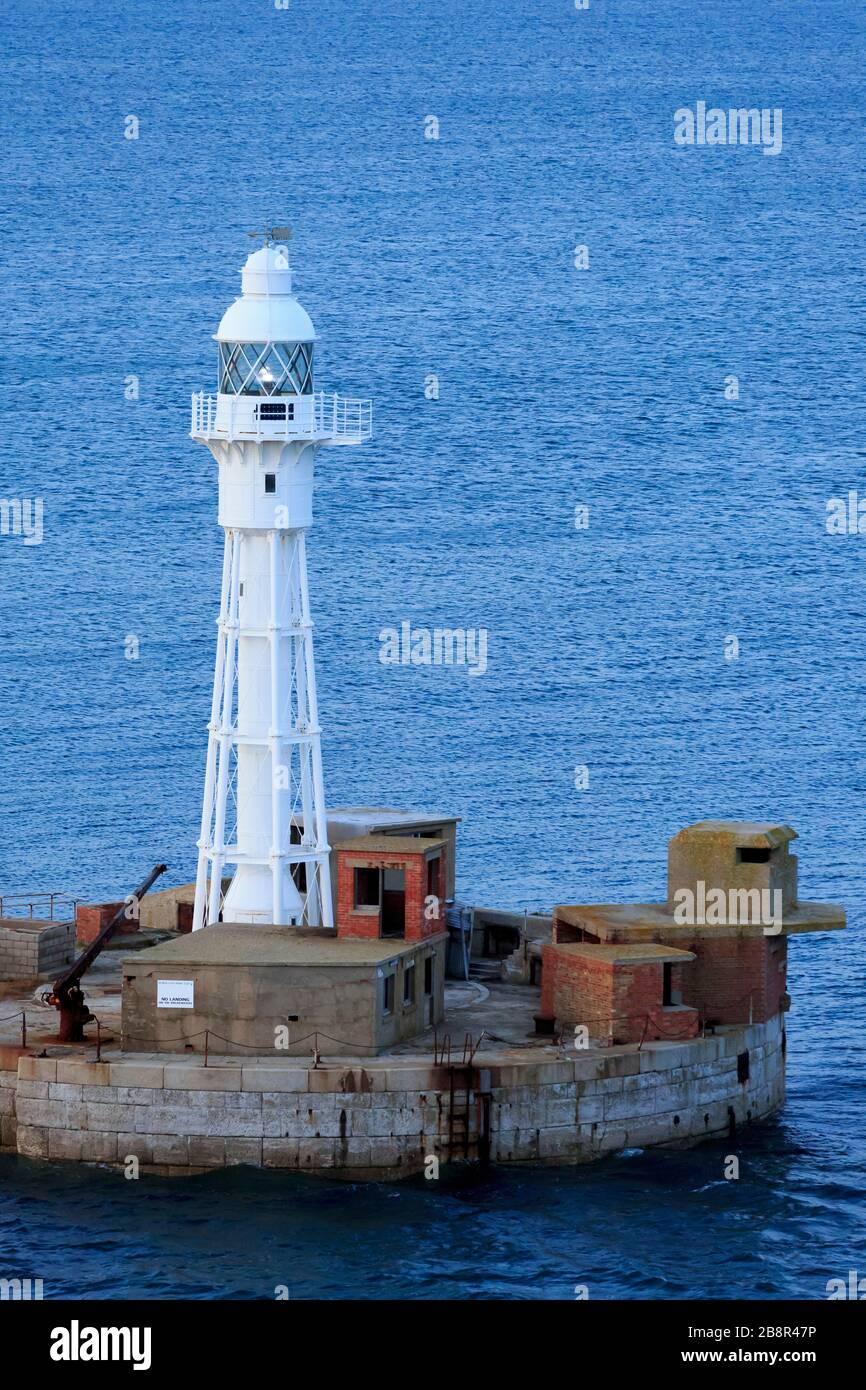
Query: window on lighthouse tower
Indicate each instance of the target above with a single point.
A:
(266, 369)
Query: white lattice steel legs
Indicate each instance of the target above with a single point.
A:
(264, 807)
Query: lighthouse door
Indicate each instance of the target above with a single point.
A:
(393, 902)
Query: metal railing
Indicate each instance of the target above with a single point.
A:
(40, 907)
(317, 416)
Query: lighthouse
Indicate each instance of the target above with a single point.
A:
(264, 802)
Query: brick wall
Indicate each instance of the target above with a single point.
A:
(565, 932)
(92, 917)
(735, 979)
(577, 991)
(617, 1003)
(639, 1014)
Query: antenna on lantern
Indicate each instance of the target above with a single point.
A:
(271, 234)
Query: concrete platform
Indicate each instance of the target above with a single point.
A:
(523, 1100)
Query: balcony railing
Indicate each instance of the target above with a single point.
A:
(328, 418)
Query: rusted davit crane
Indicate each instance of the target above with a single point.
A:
(66, 993)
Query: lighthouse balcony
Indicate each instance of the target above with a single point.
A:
(325, 418)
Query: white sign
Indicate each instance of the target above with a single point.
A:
(175, 994)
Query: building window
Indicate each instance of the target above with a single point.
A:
(388, 995)
(753, 856)
(742, 1067)
(667, 978)
(270, 482)
(367, 887)
(409, 985)
(433, 877)
(428, 975)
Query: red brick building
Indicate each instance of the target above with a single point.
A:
(714, 953)
(391, 886)
(618, 993)
(90, 918)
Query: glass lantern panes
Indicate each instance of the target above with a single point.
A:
(266, 369)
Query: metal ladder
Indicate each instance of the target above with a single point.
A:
(459, 1110)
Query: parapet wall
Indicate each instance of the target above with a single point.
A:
(371, 1120)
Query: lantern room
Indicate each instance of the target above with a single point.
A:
(266, 338)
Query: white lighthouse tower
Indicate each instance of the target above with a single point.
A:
(264, 802)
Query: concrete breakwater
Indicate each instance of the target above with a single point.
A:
(381, 1118)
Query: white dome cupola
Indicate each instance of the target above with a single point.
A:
(266, 337)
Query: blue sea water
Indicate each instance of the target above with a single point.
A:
(558, 387)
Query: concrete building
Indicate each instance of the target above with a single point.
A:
(239, 988)
(242, 989)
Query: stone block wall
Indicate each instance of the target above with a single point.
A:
(384, 1121)
(664, 1094)
(29, 949)
(9, 1057)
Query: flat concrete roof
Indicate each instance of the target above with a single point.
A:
(637, 954)
(641, 921)
(749, 834)
(241, 943)
(387, 815)
(390, 844)
(35, 924)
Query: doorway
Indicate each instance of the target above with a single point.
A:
(393, 902)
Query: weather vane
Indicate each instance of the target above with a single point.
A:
(272, 234)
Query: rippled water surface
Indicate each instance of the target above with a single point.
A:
(606, 647)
